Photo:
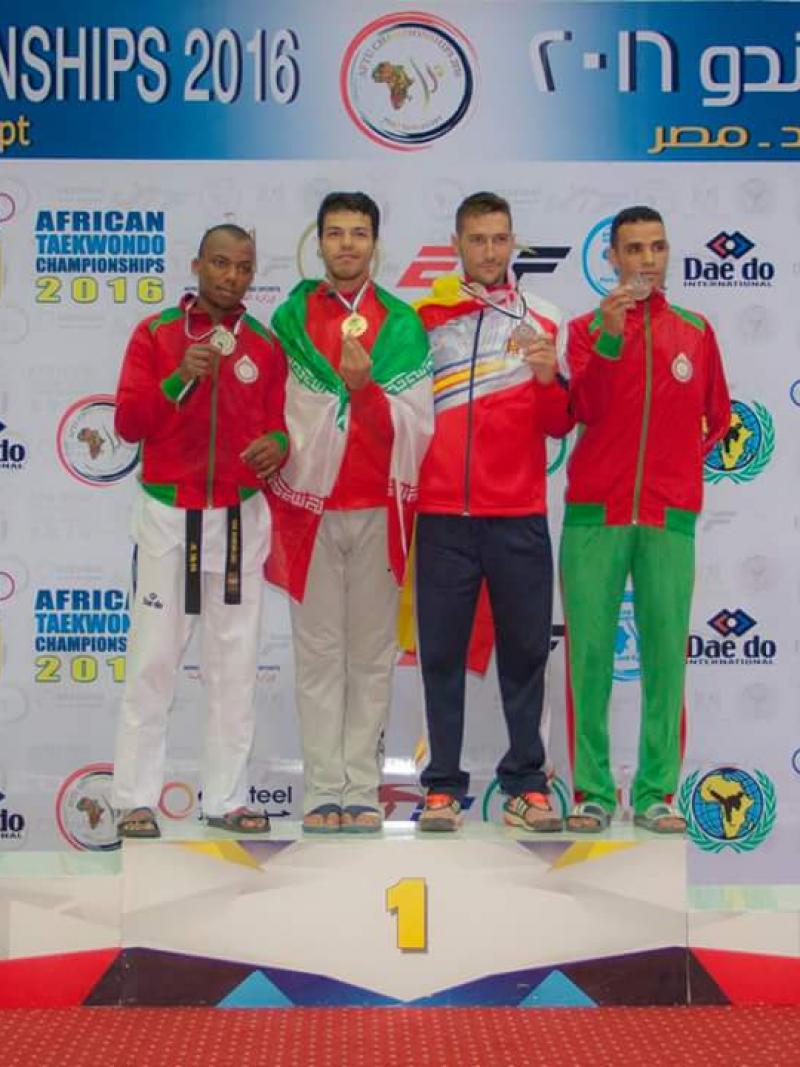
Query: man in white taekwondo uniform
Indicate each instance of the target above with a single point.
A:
(202, 391)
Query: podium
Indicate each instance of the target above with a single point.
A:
(487, 916)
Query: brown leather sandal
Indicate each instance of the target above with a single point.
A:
(138, 823)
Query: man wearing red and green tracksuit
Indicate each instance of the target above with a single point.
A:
(482, 518)
(648, 387)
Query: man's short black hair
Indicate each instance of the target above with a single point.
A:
(638, 213)
(358, 202)
(483, 203)
(224, 227)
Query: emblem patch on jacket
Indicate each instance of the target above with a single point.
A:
(682, 369)
(245, 370)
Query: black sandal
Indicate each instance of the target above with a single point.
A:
(138, 823)
(235, 821)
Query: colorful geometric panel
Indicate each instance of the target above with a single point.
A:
(256, 991)
(264, 851)
(657, 977)
(583, 851)
(494, 990)
(548, 852)
(62, 981)
(163, 979)
(227, 851)
(557, 991)
(703, 990)
(319, 991)
(750, 978)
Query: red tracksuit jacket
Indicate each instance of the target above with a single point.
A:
(487, 456)
(190, 447)
(652, 402)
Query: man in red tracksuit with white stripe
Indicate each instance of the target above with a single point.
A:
(482, 511)
(646, 382)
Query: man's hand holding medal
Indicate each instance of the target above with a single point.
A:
(536, 349)
(198, 361)
(355, 366)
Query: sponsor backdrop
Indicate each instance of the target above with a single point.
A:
(122, 138)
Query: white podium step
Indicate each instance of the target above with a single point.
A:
(487, 916)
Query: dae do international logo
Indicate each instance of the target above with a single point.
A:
(735, 643)
(88, 446)
(732, 266)
(746, 448)
(728, 808)
(13, 452)
(12, 823)
(408, 79)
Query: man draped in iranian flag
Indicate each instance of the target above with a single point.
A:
(359, 411)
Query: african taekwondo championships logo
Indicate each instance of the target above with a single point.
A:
(408, 79)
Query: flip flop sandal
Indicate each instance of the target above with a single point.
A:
(594, 818)
(236, 821)
(138, 823)
(324, 827)
(661, 818)
(351, 814)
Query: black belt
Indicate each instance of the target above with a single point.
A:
(194, 554)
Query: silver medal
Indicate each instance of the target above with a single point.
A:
(223, 340)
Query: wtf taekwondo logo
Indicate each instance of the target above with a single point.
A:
(408, 79)
(732, 268)
(436, 261)
(727, 647)
(746, 448)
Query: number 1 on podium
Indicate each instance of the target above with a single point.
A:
(408, 899)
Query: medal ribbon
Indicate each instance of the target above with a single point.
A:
(214, 326)
(484, 297)
(351, 305)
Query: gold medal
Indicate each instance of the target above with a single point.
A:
(223, 340)
(354, 325)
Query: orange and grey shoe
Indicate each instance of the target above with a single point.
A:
(532, 811)
(442, 813)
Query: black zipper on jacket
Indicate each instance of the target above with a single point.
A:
(468, 451)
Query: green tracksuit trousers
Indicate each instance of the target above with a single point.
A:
(595, 563)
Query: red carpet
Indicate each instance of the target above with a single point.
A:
(400, 1037)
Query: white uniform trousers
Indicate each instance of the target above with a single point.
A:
(344, 634)
(160, 632)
